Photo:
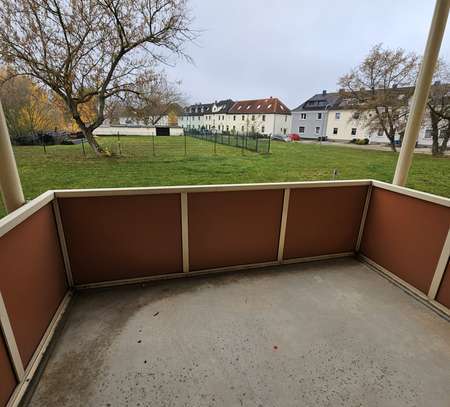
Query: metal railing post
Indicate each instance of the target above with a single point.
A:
(422, 90)
(10, 185)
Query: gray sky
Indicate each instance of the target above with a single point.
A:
(292, 49)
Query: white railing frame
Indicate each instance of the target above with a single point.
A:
(20, 215)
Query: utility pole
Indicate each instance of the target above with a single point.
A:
(422, 90)
(10, 185)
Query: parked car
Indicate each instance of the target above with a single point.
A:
(280, 137)
(294, 137)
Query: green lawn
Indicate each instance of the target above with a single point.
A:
(67, 167)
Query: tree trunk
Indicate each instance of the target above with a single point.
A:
(96, 148)
(434, 118)
(443, 146)
(391, 137)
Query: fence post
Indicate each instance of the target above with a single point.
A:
(43, 143)
(257, 143)
(215, 142)
(118, 142)
(82, 146)
(153, 145)
(185, 145)
(268, 147)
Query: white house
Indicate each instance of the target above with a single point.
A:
(332, 116)
(265, 116)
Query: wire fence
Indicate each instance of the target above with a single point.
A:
(157, 147)
(257, 143)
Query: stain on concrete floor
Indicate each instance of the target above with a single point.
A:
(321, 334)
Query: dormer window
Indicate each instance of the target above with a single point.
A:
(259, 106)
(268, 107)
(239, 108)
(249, 106)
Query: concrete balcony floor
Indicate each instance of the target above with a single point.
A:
(331, 333)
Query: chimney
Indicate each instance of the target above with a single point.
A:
(324, 92)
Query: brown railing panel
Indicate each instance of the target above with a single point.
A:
(233, 228)
(443, 294)
(323, 221)
(8, 380)
(122, 237)
(405, 235)
(32, 278)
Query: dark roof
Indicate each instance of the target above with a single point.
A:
(350, 101)
(342, 100)
(260, 106)
(200, 109)
(320, 101)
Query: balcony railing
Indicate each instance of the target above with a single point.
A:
(78, 239)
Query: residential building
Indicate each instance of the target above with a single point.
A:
(336, 118)
(264, 116)
(209, 116)
(309, 120)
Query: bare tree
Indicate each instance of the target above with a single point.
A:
(380, 89)
(92, 50)
(153, 100)
(439, 109)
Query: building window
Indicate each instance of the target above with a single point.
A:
(356, 115)
(228, 128)
(317, 130)
(301, 129)
(263, 117)
(353, 131)
(242, 128)
(319, 116)
(337, 115)
(234, 128)
(284, 131)
(303, 116)
(335, 130)
(243, 118)
(253, 117)
(428, 133)
(262, 129)
(234, 118)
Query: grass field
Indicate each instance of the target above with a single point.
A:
(67, 167)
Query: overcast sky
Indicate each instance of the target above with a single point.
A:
(292, 49)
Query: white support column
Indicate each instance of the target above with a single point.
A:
(440, 269)
(8, 334)
(9, 176)
(422, 90)
(284, 216)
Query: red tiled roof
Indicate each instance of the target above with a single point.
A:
(259, 106)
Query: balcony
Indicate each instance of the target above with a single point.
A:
(315, 293)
